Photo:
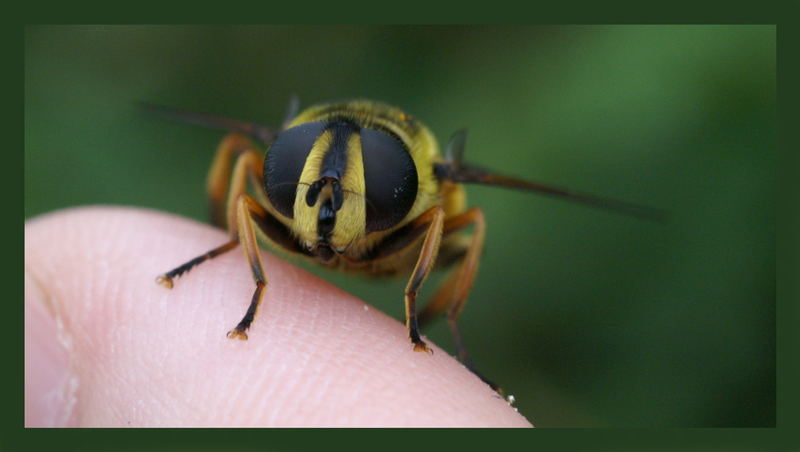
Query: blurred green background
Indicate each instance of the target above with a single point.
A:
(587, 317)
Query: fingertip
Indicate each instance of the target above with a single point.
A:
(49, 383)
(315, 356)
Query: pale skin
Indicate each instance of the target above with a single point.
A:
(106, 346)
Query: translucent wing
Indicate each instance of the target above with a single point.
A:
(454, 169)
(292, 109)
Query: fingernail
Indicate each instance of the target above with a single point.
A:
(50, 387)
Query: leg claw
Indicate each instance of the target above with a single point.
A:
(237, 334)
(165, 281)
(422, 347)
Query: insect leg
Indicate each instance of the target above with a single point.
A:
(219, 175)
(249, 213)
(453, 293)
(440, 300)
(243, 213)
(247, 209)
(248, 163)
(167, 279)
(427, 257)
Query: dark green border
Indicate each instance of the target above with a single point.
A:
(788, 230)
(14, 437)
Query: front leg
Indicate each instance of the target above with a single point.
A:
(247, 164)
(249, 216)
(219, 176)
(246, 209)
(433, 219)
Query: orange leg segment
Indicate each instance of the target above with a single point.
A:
(219, 176)
(239, 214)
(434, 217)
(453, 293)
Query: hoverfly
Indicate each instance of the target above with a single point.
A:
(357, 186)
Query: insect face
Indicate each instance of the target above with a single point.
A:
(335, 182)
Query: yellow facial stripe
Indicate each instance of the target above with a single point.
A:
(351, 219)
(305, 216)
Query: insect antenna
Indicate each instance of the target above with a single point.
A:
(261, 133)
(359, 195)
(349, 192)
(454, 169)
(282, 184)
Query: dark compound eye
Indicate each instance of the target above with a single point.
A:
(390, 177)
(284, 163)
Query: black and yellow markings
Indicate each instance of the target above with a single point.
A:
(359, 186)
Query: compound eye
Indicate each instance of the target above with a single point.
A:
(284, 163)
(390, 177)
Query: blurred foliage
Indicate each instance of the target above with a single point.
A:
(587, 317)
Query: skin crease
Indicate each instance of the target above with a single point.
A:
(105, 346)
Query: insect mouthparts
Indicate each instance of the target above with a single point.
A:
(324, 251)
